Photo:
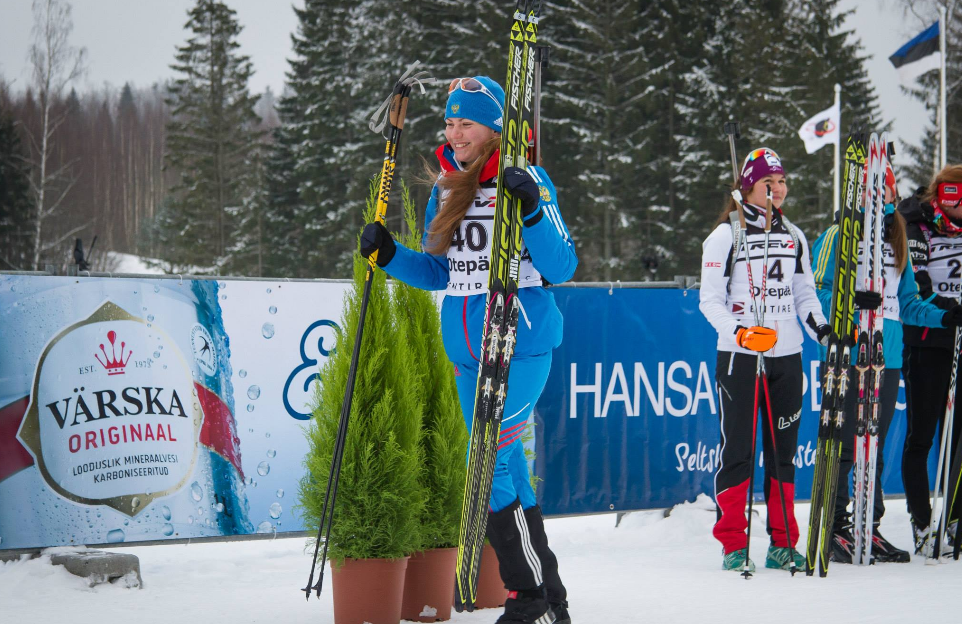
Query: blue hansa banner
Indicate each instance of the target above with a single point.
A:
(629, 416)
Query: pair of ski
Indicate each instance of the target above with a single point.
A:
(740, 238)
(835, 374)
(502, 309)
(870, 359)
(853, 267)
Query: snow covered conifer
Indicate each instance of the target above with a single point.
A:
(211, 137)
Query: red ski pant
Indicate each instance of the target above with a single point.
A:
(735, 378)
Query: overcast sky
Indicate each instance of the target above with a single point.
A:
(134, 40)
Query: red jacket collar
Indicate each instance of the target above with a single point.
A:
(446, 159)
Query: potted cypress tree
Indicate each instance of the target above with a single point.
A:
(429, 581)
(379, 500)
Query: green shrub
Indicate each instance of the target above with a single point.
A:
(379, 499)
(444, 439)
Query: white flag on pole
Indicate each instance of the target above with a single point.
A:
(822, 129)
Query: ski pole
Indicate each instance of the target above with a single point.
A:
(947, 426)
(396, 109)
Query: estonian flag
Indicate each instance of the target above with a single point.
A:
(918, 56)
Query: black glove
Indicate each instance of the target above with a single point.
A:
(953, 317)
(823, 333)
(867, 300)
(522, 186)
(375, 237)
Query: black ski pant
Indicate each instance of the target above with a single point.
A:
(735, 376)
(888, 394)
(927, 372)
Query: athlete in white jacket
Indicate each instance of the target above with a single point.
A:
(728, 299)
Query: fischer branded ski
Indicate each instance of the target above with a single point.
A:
(502, 309)
(837, 364)
(870, 361)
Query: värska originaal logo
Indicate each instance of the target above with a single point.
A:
(113, 417)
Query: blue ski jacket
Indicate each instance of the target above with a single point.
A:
(912, 309)
(547, 246)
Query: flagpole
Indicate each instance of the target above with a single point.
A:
(838, 140)
(943, 123)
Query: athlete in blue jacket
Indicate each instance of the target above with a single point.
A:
(458, 231)
(901, 304)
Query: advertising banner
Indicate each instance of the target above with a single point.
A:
(141, 409)
(629, 416)
(146, 409)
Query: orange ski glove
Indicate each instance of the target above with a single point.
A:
(756, 338)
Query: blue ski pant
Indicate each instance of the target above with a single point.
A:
(526, 380)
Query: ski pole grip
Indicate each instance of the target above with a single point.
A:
(396, 114)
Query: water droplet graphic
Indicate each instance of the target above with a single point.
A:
(265, 527)
(156, 289)
(150, 317)
(116, 536)
(190, 519)
(280, 493)
(272, 309)
(250, 407)
(271, 453)
(223, 297)
(242, 373)
(201, 511)
(165, 512)
(268, 290)
(267, 435)
(263, 468)
(267, 330)
(196, 492)
(219, 507)
(156, 355)
(250, 480)
(134, 503)
(253, 392)
(165, 367)
(276, 510)
(168, 529)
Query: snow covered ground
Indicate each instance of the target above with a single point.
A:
(650, 569)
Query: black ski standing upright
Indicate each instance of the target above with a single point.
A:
(502, 309)
(838, 362)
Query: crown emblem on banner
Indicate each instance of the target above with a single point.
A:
(111, 363)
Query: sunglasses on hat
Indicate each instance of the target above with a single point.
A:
(761, 151)
(472, 85)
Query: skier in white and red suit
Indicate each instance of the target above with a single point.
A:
(728, 304)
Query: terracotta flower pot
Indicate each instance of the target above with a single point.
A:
(368, 590)
(429, 585)
(491, 591)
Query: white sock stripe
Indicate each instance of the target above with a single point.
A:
(529, 554)
(534, 174)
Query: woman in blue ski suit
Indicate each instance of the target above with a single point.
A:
(458, 232)
(902, 304)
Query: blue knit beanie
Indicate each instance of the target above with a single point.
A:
(477, 105)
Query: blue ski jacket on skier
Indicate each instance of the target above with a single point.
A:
(458, 231)
(901, 300)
